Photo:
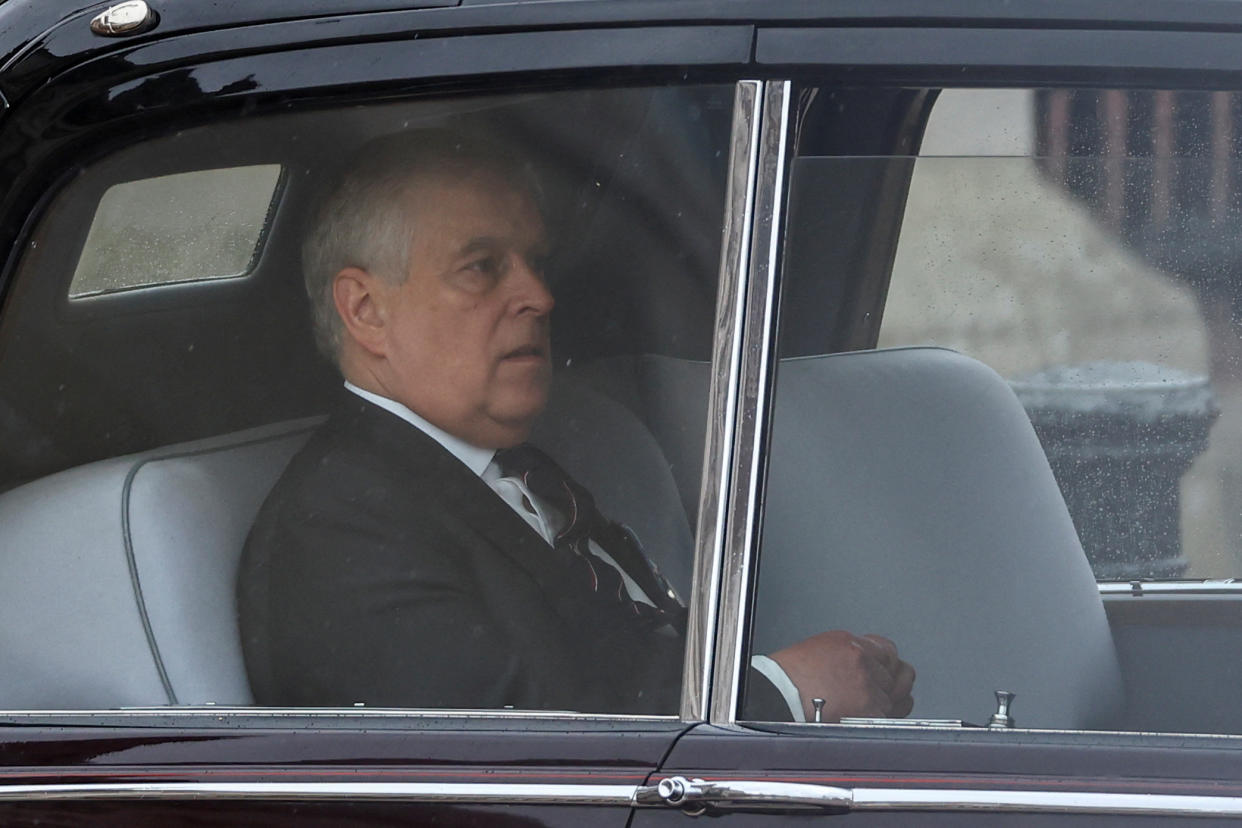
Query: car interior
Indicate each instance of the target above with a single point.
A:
(907, 494)
(182, 401)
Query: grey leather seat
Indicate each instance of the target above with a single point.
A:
(606, 448)
(909, 496)
(118, 576)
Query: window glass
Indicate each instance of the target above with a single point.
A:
(1084, 255)
(1008, 373)
(232, 524)
(186, 227)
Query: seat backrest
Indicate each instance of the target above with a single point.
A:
(606, 448)
(907, 495)
(119, 575)
(669, 397)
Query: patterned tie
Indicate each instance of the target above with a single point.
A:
(584, 523)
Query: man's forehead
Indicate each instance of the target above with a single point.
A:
(479, 205)
(482, 179)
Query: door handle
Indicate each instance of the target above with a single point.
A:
(696, 796)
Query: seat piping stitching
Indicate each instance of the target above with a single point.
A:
(131, 560)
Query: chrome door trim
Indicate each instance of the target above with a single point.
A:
(469, 792)
(722, 796)
(1045, 802)
(221, 711)
(1226, 586)
(722, 399)
(745, 472)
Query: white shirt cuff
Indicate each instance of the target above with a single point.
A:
(774, 673)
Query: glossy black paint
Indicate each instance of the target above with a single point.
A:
(106, 745)
(207, 748)
(973, 759)
(38, 39)
(27, 26)
(990, 55)
(300, 814)
(391, 61)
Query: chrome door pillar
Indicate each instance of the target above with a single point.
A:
(729, 518)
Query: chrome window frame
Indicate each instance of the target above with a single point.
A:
(738, 433)
(710, 537)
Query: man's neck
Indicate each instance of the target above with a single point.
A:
(474, 457)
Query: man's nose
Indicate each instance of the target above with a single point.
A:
(533, 292)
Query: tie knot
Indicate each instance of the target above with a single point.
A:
(549, 482)
(539, 472)
(521, 460)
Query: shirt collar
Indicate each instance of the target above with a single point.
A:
(476, 459)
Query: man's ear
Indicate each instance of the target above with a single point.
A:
(359, 299)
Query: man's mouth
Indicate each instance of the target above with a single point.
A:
(526, 352)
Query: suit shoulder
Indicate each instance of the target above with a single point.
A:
(366, 476)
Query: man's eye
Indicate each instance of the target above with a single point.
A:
(488, 266)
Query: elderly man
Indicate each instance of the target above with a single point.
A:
(416, 553)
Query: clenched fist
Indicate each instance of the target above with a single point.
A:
(854, 675)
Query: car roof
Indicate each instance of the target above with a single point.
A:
(25, 22)
(41, 38)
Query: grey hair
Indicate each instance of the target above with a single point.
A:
(365, 221)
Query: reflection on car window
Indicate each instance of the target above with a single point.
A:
(396, 557)
(1008, 371)
(1084, 255)
(185, 227)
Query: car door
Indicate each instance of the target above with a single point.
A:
(159, 372)
(942, 434)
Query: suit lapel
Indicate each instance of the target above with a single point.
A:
(462, 495)
(561, 641)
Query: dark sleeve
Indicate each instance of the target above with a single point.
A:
(761, 701)
(345, 599)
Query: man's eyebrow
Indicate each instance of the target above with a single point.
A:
(480, 243)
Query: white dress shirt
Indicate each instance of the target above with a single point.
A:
(543, 519)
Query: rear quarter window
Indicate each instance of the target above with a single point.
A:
(186, 227)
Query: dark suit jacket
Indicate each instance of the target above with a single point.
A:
(382, 570)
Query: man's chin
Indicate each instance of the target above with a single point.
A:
(513, 423)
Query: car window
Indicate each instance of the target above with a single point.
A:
(1083, 255)
(558, 289)
(1001, 433)
(185, 227)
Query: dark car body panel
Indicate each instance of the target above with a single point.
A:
(401, 751)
